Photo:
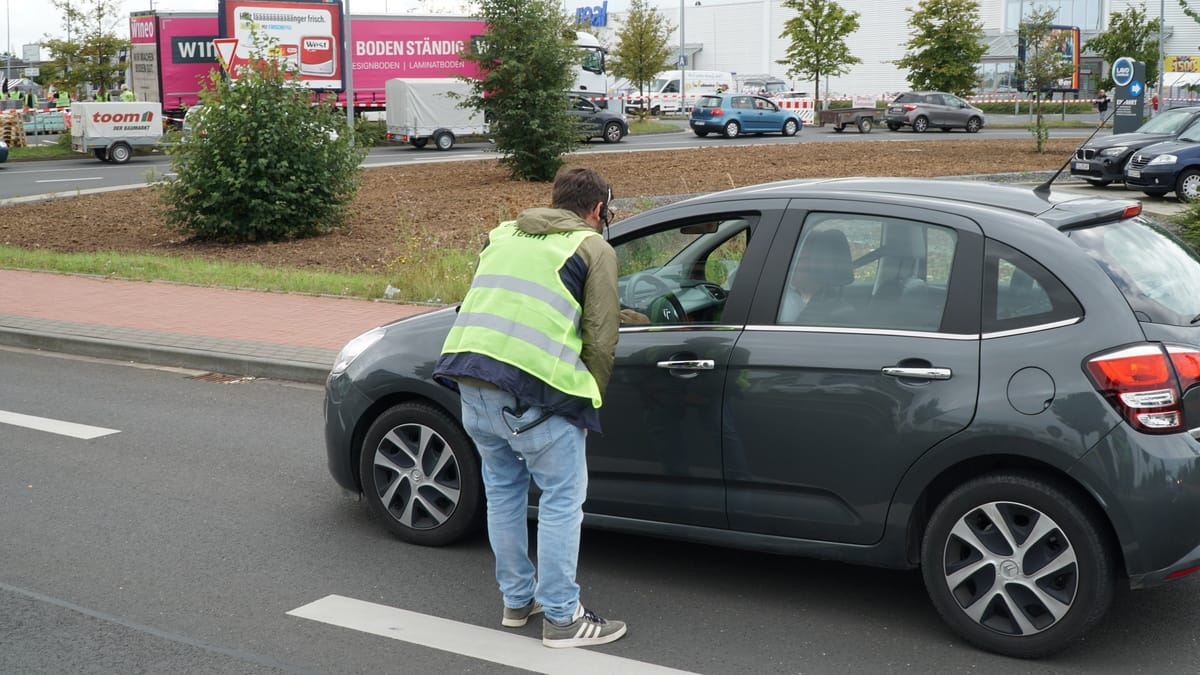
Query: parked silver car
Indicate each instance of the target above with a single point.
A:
(924, 109)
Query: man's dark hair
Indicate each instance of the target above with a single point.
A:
(578, 189)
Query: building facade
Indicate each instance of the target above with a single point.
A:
(743, 36)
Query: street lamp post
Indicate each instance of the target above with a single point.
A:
(1162, 102)
(682, 62)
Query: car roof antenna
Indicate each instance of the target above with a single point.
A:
(1044, 188)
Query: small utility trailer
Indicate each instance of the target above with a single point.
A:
(840, 118)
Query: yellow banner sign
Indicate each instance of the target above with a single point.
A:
(1181, 64)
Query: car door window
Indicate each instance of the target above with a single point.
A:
(869, 272)
(1020, 293)
(682, 274)
(582, 105)
(741, 102)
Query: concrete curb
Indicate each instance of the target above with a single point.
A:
(175, 357)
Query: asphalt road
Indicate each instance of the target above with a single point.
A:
(65, 177)
(198, 528)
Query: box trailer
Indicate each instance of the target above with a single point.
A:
(424, 109)
(111, 131)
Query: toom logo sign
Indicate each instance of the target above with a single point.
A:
(122, 118)
(592, 16)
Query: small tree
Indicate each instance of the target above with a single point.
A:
(524, 62)
(261, 161)
(1129, 34)
(89, 54)
(1042, 67)
(642, 52)
(817, 36)
(944, 46)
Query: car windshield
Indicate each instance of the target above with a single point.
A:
(1157, 273)
(1169, 122)
(1192, 133)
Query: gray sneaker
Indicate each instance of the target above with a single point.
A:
(585, 630)
(515, 618)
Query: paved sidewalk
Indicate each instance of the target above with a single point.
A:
(235, 332)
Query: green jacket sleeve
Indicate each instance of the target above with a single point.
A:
(601, 309)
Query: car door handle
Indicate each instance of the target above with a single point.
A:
(928, 373)
(688, 364)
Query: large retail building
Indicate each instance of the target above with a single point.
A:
(743, 37)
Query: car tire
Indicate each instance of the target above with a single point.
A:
(419, 143)
(865, 125)
(119, 153)
(839, 128)
(700, 132)
(1098, 183)
(1187, 187)
(974, 125)
(444, 140)
(967, 558)
(732, 129)
(613, 132)
(420, 474)
(790, 128)
(921, 124)
(892, 126)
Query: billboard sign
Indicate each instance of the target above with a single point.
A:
(304, 35)
(1063, 41)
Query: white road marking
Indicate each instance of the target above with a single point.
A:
(55, 426)
(486, 644)
(69, 180)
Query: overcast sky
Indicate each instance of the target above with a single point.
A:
(27, 21)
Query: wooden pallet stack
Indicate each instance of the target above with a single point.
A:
(12, 129)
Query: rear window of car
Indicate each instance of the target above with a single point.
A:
(709, 102)
(1158, 274)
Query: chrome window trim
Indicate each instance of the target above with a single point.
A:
(675, 327)
(863, 331)
(1033, 329)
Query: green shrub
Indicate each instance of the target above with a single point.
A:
(1188, 221)
(369, 133)
(261, 161)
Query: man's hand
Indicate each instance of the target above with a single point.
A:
(633, 316)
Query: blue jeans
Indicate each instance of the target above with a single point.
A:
(552, 454)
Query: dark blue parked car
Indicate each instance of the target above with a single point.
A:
(736, 114)
(1170, 166)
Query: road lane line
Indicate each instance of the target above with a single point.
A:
(69, 180)
(59, 427)
(460, 638)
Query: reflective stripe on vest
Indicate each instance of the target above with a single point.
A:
(519, 312)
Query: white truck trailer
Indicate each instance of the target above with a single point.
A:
(111, 131)
(420, 110)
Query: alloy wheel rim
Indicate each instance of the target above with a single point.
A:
(1190, 188)
(1011, 568)
(417, 477)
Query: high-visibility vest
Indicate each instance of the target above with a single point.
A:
(64, 100)
(519, 312)
(128, 96)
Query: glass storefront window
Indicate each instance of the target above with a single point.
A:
(1086, 14)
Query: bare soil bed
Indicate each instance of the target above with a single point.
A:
(400, 210)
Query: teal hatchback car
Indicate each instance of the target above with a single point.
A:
(734, 114)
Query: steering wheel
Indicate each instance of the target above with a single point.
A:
(660, 287)
(715, 291)
(666, 308)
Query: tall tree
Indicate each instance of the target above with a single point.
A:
(1129, 34)
(945, 44)
(89, 54)
(817, 36)
(1043, 65)
(642, 52)
(525, 65)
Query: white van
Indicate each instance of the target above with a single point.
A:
(663, 95)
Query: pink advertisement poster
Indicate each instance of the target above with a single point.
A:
(186, 48)
(384, 48)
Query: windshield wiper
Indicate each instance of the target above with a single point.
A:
(1195, 319)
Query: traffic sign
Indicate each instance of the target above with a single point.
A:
(225, 50)
(1122, 71)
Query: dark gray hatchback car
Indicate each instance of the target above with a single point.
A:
(991, 384)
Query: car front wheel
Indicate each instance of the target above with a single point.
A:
(1017, 565)
(1187, 188)
(420, 474)
(732, 129)
(920, 124)
(613, 132)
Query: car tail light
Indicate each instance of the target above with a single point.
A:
(909, 107)
(1145, 383)
(1132, 211)
(716, 112)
